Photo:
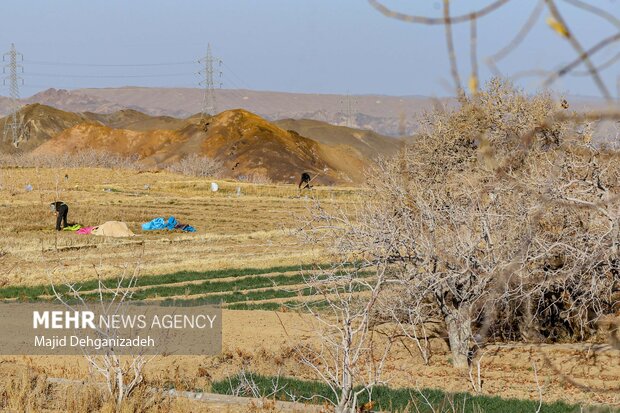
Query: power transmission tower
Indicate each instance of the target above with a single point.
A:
(402, 124)
(13, 125)
(209, 103)
(322, 115)
(348, 104)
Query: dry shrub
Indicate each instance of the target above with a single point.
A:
(144, 399)
(82, 398)
(31, 391)
(83, 159)
(192, 165)
(196, 165)
(90, 397)
(25, 391)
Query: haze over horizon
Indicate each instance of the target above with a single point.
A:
(329, 47)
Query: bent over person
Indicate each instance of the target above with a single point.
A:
(305, 181)
(62, 210)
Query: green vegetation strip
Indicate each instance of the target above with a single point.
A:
(244, 284)
(400, 400)
(233, 297)
(33, 292)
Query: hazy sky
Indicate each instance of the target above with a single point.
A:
(322, 46)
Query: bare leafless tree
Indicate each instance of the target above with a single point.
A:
(122, 374)
(196, 165)
(501, 220)
(345, 353)
(83, 159)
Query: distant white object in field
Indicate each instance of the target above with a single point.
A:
(147, 187)
(214, 187)
(238, 191)
(28, 188)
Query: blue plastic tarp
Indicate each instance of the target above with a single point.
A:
(171, 224)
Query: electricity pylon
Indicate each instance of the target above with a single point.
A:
(12, 124)
(209, 103)
(348, 104)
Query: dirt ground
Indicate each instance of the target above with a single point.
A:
(263, 341)
(253, 229)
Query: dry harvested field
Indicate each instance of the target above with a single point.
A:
(243, 243)
(252, 230)
(262, 342)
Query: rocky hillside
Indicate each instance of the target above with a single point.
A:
(250, 145)
(40, 123)
(136, 121)
(247, 145)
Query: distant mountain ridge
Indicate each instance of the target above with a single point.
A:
(387, 115)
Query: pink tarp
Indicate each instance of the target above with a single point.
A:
(85, 230)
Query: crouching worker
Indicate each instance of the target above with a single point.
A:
(305, 181)
(62, 210)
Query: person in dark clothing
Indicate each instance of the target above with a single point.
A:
(305, 179)
(62, 210)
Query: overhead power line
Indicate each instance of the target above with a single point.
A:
(58, 75)
(243, 83)
(44, 63)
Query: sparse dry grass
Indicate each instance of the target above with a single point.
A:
(254, 229)
(29, 390)
(262, 341)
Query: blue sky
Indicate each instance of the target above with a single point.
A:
(315, 46)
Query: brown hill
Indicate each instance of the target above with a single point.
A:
(247, 145)
(40, 123)
(250, 145)
(136, 121)
(368, 143)
(86, 136)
